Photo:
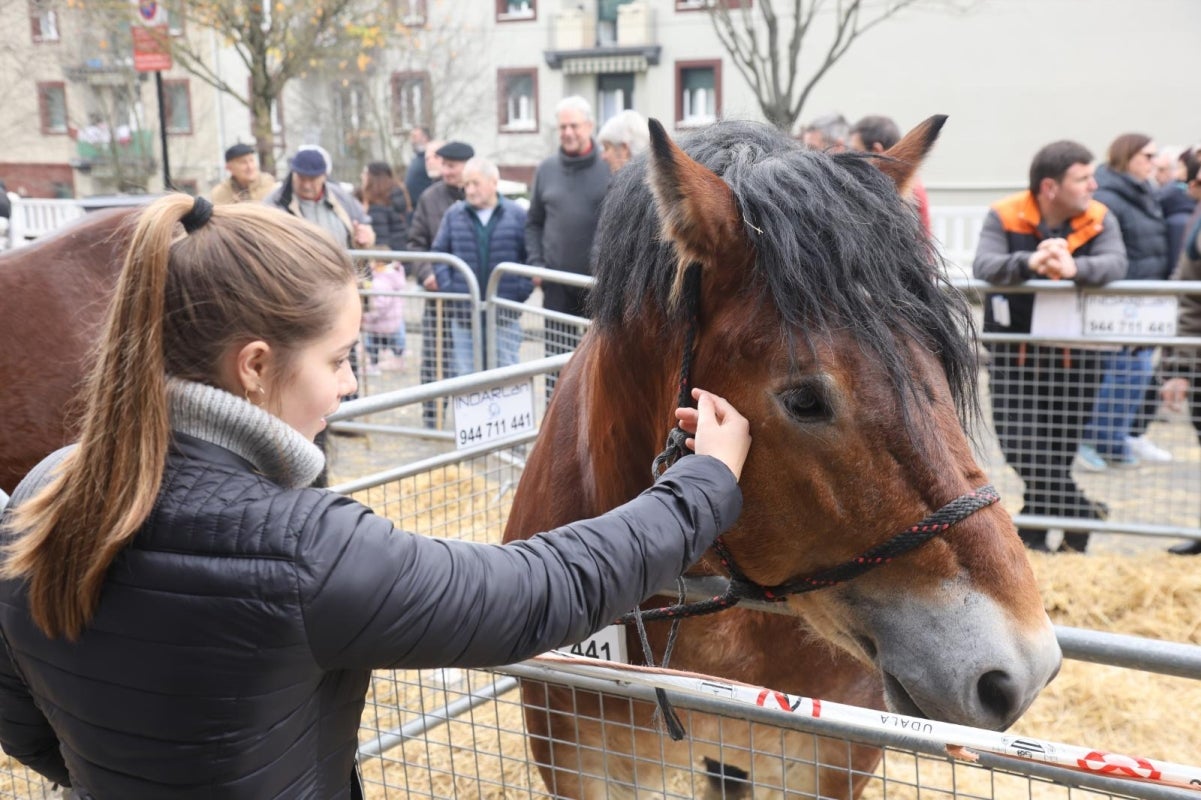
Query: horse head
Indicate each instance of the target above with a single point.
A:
(822, 315)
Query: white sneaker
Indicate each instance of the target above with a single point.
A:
(1146, 450)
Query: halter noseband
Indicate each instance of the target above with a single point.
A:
(740, 586)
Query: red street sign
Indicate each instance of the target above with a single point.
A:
(151, 48)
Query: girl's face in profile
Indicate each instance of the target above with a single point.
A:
(321, 374)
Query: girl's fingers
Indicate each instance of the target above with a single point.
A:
(687, 418)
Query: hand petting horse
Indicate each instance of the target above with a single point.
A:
(798, 285)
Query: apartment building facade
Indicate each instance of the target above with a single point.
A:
(1012, 75)
(490, 72)
(79, 120)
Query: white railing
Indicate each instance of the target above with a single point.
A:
(34, 217)
(956, 230)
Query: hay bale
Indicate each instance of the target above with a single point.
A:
(1154, 595)
(1107, 708)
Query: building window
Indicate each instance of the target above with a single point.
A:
(606, 21)
(412, 101)
(410, 12)
(698, 92)
(353, 112)
(700, 5)
(517, 95)
(52, 107)
(511, 10)
(43, 21)
(177, 106)
(175, 20)
(614, 93)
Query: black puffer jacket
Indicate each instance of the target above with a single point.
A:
(391, 221)
(427, 218)
(1177, 206)
(1144, 230)
(234, 639)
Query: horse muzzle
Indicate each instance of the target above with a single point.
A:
(961, 659)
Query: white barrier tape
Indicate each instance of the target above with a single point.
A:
(959, 741)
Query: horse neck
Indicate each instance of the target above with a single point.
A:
(623, 398)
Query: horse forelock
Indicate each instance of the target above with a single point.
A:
(836, 251)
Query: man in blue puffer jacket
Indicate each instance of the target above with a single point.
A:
(484, 230)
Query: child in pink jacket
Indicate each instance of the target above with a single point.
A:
(383, 320)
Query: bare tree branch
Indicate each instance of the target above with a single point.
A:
(766, 47)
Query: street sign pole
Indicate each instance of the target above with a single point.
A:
(151, 53)
(162, 128)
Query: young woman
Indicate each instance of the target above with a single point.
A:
(183, 618)
(388, 204)
(1114, 437)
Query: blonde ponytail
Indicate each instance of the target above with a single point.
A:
(243, 272)
(73, 528)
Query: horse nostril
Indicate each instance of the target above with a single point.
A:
(997, 695)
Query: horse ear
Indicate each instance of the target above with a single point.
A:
(697, 209)
(900, 162)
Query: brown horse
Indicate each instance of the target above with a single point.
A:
(53, 298)
(822, 315)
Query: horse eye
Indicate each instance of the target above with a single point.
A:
(804, 403)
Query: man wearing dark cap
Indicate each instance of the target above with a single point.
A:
(427, 216)
(245, 184)
(306, 193)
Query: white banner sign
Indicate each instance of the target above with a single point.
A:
(1129, 315)
(493, 414)
(1103, 315)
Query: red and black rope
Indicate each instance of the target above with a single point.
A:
(743, 588)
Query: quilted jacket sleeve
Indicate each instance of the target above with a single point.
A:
(375, 597)
(25, 733)
(993, 262)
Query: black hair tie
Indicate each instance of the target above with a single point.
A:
(198, 217)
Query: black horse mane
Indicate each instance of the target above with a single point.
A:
(836, 248)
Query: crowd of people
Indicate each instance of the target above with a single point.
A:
(448, 202)
(1087, 405)
(1055, 409)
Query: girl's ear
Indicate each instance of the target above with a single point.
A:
(244, 371)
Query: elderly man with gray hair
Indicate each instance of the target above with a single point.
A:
(623, 137)
(828, 132)
(564, 208)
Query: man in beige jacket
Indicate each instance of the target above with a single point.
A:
(246, 184)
